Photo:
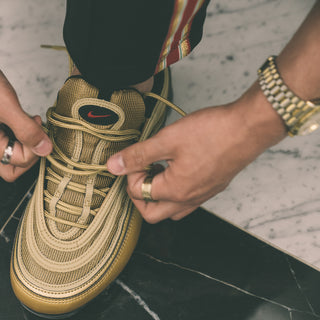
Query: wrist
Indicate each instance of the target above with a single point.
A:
(263, 124)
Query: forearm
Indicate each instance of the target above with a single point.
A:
(299, 67)
(299, 62)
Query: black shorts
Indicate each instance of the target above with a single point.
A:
(123, 42)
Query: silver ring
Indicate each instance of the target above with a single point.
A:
(8, 152)
(146, 189)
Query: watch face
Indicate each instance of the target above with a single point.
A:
(312, 124)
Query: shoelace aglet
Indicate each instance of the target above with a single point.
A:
(55, 47)
(59, 48)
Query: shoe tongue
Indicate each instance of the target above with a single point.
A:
(128, 100)
(125, 110)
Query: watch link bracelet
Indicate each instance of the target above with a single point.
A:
(300, 117)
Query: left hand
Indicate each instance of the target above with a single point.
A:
(31, 141)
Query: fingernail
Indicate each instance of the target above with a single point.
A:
(116, 165)
(43, 148)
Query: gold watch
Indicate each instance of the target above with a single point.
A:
(300, 117)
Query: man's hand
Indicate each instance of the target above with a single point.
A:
(31, 139)
(204, 152)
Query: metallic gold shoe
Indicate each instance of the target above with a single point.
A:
(80, 227)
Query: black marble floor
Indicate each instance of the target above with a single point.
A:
(194, 269)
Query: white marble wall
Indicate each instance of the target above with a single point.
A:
(277, 197)
(36, 73)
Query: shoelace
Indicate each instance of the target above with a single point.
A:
(68, 166)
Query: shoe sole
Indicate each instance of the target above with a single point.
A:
(52, 317)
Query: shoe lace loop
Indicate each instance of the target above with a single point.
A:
(67, 166)
(165, 101)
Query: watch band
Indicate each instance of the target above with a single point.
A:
(290, 107)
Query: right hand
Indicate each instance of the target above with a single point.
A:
(209, 148)
(31, 142)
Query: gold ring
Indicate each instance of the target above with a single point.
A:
(146, 189)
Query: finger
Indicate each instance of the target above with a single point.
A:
(27, 130)
(154, 212)
(163, 186)
(21, 156)
(10, 173)
(138, 156)
(183, 214)
(169, 185)
(37, 119)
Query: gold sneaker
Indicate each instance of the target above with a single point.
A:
(80, 227)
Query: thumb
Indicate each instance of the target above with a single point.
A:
(137, 157)
(29, 132)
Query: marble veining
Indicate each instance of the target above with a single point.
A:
(138, 299)
(299, 286)
(276, 197)
(246, 292)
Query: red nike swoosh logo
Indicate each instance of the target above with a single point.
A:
(91, 115)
